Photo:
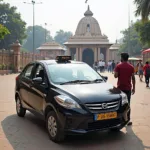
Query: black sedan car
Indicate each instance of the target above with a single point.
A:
(71, 97)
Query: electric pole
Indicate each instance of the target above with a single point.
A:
(33, 4)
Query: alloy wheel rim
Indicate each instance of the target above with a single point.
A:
(18, 105)
(52, 126)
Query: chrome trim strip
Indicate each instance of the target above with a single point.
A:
(95, 108)
(93, 104)
(99, 106)
(111, 106)
(112, 103)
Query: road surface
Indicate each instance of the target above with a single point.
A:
(29, 133)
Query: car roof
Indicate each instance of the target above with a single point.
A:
(48, 62)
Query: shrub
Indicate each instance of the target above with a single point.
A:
(0, 67)
(3, 66)
(11, 67)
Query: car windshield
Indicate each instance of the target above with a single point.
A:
(63, 73)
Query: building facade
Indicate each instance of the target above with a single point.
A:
(51, 49)
(88, 44)
(113, 52)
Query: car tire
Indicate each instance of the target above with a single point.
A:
(20, 110)
(55, 132)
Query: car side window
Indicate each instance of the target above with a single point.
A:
(39, 72)
(28, 71)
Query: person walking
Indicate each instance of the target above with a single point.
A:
(100, 65)
(109, 66)
(103, 66)
(125, 74)
(140, 70)
(95, 66)
(146, 69)
(113, 66)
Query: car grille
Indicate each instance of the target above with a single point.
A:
(103, 124)
(95, 107)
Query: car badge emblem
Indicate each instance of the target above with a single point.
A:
(104, 105)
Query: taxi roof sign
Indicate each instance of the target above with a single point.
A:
(63, 58)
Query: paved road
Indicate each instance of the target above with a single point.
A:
(29, 133)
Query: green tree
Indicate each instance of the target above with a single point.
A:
(13, 22)
(40, 33)
(62, 36)
(3, 32)
(144, 32)
(143, 9)
(131, 44)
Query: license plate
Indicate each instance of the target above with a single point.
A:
(106, 116)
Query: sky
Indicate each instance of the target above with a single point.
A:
(112, 15)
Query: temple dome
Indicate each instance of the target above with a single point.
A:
(88, 25)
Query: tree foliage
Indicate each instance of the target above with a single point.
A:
(62, 36)
(143, 9)
(144, 32)
(3, 32)
(13, 22)
(39, 37)
(131, 41)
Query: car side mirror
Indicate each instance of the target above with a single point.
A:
(37, 80)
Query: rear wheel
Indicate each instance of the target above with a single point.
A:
(55, 132)
(20, 110)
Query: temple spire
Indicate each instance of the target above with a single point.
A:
(88, 12)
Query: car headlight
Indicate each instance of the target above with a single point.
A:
(66, 102)
(124, 98)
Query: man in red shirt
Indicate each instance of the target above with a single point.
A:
(125, 73)
(146, 69)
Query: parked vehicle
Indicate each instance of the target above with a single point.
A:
(71, 97)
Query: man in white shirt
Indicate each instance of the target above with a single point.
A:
(109, 66)
(100, 65)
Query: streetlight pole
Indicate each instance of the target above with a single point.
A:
(33, 4)
(129, 43)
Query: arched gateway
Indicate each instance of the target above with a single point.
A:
(88, 56)
(88, 42)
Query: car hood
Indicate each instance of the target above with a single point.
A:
(91, 93)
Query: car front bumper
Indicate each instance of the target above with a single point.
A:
(81, 124)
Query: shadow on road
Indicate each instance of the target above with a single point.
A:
(29, 133)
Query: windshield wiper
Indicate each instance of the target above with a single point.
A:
(98, 80)
(76, 81)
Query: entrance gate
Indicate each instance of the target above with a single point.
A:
(88, 56)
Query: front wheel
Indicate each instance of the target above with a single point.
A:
(55, 132)
(20, 110)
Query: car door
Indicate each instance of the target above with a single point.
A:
(38, 92)
(25, 82)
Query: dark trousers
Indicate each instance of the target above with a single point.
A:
(147, 79)
(128, 93)
(100, 68)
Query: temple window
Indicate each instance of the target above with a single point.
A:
(88, 27)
